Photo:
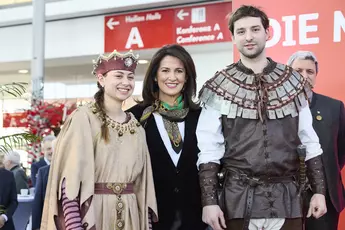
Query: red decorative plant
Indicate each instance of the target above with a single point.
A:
(42, 119)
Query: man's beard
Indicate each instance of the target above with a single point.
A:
(254, 55)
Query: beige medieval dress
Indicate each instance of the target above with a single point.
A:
(81, 159)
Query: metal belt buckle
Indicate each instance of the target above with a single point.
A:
(243, 177)
(117, 188)
(253, 181)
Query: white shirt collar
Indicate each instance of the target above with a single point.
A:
(46, 160)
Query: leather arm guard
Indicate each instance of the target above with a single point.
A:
(208, 183)
(316, 176)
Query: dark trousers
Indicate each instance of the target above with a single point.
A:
(329, 221)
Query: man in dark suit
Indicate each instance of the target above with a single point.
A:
(8, 198)
(40, 191)
(329, 124)
(48, 151)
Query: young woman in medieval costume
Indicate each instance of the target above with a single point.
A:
(100, 177)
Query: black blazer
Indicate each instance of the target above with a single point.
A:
(329, 124)
(34, 170)
(40, 192)
(8, 196)
(20, 178)
(177, 188)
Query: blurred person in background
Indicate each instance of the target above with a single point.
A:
(101, 176)
(12, 163)
(40, 192)
(8, 197)
(169, 117)
(47, 151)
(329, 124)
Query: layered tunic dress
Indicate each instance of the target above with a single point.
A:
(97, 185)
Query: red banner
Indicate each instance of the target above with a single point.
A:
(308, 25)
(15, 119)
(152, 29)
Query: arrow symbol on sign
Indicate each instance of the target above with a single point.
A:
(181, 14)
(111, 23)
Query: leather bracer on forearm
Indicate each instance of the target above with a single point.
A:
(208, 183)
(316, 176)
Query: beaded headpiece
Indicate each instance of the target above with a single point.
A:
(115, 61)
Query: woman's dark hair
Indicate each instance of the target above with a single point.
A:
(248, 11)
(150, 86)
(99, 98)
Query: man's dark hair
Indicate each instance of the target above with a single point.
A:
(248, 11)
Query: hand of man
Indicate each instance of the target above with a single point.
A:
(317, 206)
(2, 221)
(214, 217)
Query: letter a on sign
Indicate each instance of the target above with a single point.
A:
(134, 38)
(220, 36)
(216, 27)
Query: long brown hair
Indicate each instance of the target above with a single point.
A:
(150, 87)
(99, 98)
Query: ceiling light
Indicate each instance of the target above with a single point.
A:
(23, 71)
(143, 61)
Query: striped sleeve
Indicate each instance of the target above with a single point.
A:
(71, 211)
(150, 219)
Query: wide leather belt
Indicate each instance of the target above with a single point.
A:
(114, 188)
(252, 182)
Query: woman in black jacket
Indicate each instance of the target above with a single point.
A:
(170, 117)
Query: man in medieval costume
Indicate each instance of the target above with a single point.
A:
(255, 131)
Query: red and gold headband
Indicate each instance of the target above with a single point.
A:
(115, 61)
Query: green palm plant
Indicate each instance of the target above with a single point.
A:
(15, 89)
(2, 209)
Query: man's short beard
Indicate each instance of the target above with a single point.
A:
(255, 55)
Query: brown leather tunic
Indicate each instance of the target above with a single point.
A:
(262, 150)
(260, 127)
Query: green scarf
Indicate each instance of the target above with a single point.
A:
(177, 106)
(171, 116)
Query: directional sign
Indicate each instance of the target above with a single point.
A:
(144, 30)
(202, 24)
(111, 23)
(181, 14)
(152, 29)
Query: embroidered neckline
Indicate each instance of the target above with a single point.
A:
(268, 69)
(130, 125)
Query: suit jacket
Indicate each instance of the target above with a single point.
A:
(329, 124)
(20, 178)
(8, 196)
(34, 170)
(177, 188)
(40, 192)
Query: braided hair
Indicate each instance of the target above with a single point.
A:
(99, 98)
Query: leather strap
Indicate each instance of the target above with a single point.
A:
(114, 188)
(316, 176)
(209, 183)
(249, 206)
